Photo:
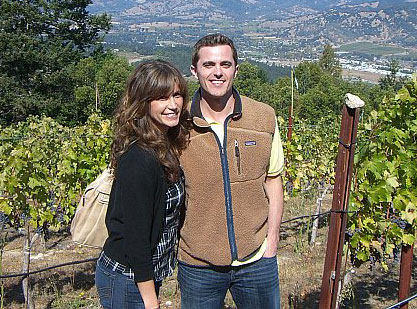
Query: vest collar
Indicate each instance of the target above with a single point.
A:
(197, 115)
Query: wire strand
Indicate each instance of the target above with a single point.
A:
(47, 268)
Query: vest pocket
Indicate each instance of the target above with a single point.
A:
(249, 155)
(237, 156)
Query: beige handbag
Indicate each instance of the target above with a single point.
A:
(88, 227)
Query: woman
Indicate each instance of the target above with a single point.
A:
(151, 130)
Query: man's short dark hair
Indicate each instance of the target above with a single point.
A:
(212, 40)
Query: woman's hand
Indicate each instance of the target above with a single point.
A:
(152, 306)
(148, 293)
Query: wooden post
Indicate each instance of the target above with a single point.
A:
(317, 218)
(27, 291)
(405, 273)
(338, 217)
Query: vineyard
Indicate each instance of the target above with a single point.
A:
(44, 166)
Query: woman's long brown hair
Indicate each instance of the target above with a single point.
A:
(150, 81)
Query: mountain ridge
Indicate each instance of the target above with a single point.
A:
(232, 8)
(310, 23)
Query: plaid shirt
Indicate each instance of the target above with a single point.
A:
(164, 257)
(115, 266)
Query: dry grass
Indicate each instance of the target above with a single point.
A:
(301, 267)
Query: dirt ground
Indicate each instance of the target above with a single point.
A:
(300, 270)
(362, 75)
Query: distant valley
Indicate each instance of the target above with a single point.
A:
(272, 31)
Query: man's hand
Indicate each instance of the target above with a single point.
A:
(271, 246)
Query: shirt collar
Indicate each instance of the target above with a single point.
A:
(197, 115)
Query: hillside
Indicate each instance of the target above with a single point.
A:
(307, 22)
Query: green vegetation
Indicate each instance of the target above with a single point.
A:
(370, 48)
(38, 41)
(320, 92)
(180, 55)
(392, 81)
(329, 62)
(310, 154)
(59, 89)
(98, 84)
(45, 166)
(385, 195)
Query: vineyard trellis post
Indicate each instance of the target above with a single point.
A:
(405, 273)
(338, 216)
(27, 290)
(317, 218)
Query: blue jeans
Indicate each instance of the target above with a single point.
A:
(117, 290)
(253, 286)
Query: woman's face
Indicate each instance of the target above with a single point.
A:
(165, 112)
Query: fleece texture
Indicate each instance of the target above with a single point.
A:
(204, 235)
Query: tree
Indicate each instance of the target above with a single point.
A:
(320, 101)
(38, 40)
(249, 77)
(391, 81)
(308, 74)
(99, 83)
(111, 82)
(192, 86)
(329, 63)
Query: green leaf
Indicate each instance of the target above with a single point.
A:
(409, 239)
(362, 256)
(402, 95)
(389, 248)
(5, 207)
(410, 213)
(392, 181)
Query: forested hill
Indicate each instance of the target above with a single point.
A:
(386, 21)
(237, 9)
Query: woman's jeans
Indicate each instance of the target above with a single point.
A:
(253, 286)
(116, 287)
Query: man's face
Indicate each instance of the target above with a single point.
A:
(215, 70)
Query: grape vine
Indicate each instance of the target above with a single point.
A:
(384, 189)
(310, 154)
(44, 166)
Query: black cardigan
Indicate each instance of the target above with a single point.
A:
(136, 211)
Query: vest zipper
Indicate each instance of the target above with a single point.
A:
(237, 155)
(227, 192)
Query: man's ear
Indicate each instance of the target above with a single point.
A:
(237, 69)
(193, 71)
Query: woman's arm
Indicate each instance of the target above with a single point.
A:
(138, 177)
(148, 293)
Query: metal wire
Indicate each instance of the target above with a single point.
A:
(47, 268)
(405, 301)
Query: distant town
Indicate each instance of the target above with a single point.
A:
(366, 37)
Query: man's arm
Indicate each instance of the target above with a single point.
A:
(275, 195)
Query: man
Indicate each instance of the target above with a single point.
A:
(234, 189)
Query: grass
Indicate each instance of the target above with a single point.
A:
(73, 302)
